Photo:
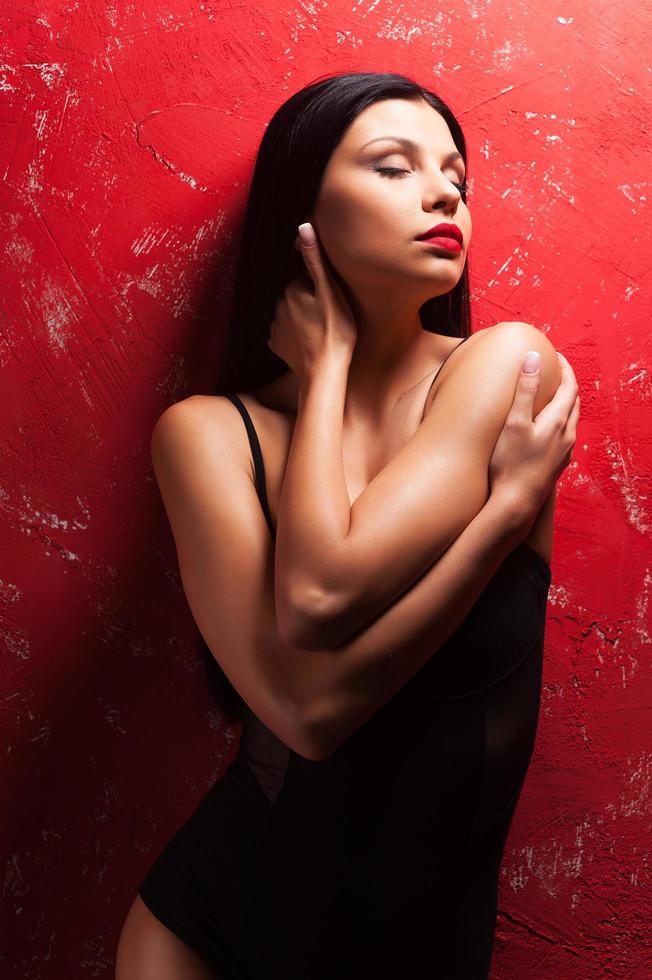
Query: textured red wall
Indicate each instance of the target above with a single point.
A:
(126, 139)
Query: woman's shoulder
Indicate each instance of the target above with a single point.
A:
(224, 424)
(263, 399)
(502, 340)
(209, 420)
(485, 371)
(511, 339)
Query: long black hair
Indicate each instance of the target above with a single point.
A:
(293, 154)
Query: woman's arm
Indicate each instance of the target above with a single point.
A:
(337, 566)
(311, 700)
(346, 686)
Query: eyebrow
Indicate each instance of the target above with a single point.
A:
(414, 147)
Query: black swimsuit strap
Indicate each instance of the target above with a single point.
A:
(259, 466)
(444, 361)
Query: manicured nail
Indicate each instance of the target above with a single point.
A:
(531, 362)
(307, 233)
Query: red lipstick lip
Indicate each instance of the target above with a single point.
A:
(443, 231)
(448, 244)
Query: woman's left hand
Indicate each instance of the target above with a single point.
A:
(310, 324)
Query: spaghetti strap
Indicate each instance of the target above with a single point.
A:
(259, 465)
(443, 362)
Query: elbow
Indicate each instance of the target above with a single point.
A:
(312, 750)
(305, 631)
(320, 736)
(306, 621)
(312, 730)
(306, 744)
(296, 627)
(305, 725)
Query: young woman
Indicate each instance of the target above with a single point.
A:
(364, 536)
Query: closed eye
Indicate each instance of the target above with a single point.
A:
(391, 170)
(394, 171)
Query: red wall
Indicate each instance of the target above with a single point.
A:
(126, 139)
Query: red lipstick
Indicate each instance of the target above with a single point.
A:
(445, 236)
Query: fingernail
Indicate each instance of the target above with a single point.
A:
(307, 233)
(531, 362)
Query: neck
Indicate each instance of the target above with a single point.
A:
(391, 356)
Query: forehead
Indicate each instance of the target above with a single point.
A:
(416, 120)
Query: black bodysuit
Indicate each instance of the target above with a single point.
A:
(380, 862)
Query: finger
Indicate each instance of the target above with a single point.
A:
(573, 418)
(561, 403)
(296, 290)
(526, 388)
(311, 252)
(568, 458)
(567, 374)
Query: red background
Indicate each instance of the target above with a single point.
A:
(127, 135)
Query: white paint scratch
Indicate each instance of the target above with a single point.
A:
(49, 72)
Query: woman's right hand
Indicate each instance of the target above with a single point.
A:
(531, 454)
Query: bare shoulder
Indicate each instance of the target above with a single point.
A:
(203, 466)
(482, 377)
(511, 332)
(215, 413)
(209, 407)
(495, 351)
(212, 420)
(508, 343)
(519, 330)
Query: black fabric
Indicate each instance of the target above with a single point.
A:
(256, 452)
(382, 861)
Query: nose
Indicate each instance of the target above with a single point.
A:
(447, 201)
(445, 196)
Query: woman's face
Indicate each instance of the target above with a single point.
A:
(367, 220)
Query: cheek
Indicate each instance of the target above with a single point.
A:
(341, 228)
(370, 230)
(365, 227)
(354, 208)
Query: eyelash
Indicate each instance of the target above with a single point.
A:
(462, 188)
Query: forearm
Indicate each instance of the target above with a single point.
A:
(314, 511)
(346, 686)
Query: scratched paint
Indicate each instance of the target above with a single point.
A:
(128, 133)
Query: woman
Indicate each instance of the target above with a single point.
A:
(387, 646)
